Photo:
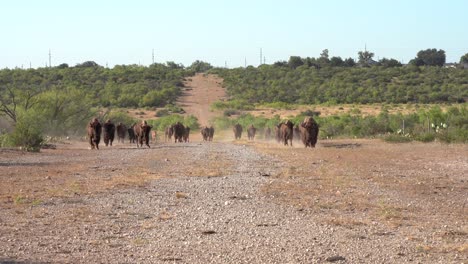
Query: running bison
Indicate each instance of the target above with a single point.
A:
(286, 129)
(187, 134)
(179, 132)
(251, 132)
(210, 133)
(131, 133)
(142, 133)
(309, 132)
(204, 131)
(207, 133)
(109, 132)
(94, 130)
(121, 131)
(237, 131)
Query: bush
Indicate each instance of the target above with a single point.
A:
(162, 112)
(28, 132)
(230, 112)
(425, 137)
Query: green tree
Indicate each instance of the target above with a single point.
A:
(365, 58)
(336, 62)
(464, 58)
(200, 66)
(388, 63)
(430, 57)
(295, 61)
(349, 62)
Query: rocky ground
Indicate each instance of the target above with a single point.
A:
(347, 201)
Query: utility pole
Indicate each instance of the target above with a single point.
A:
(245, 62)
(225, 64)
(30, 65)
(50, 59)
(264, 60)
(153, 56)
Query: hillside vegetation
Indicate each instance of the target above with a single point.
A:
(339, 85)
(60, 100)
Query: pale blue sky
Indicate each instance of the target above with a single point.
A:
(125, 32)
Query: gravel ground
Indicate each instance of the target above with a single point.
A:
(182, 218)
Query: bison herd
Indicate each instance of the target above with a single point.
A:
(140, 133)
(284, 133)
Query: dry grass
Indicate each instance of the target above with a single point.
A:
(381, 181)
(365, 110)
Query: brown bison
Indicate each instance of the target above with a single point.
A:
(309, 132)
(179, 132)
(131, 133)
(210, 133)
(204, 131)
(187, 134)
(267, 135)
(286, 129)
(94, 130)
(109, 132)
(251, 132)
(207, 133)
(121, 131)
(237, 131)
(142, 133)
(168, 133)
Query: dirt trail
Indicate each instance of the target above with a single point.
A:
(201, 91)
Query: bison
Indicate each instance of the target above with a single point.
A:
(251, 132)
(109, 132)
(94, 130)
(205, 133)
(237, 131)
(210, 133)
(309, 132)
(187, 134)
(286, 129)
(142, 133)
(121, 131)
(131, 133)
(179, 132)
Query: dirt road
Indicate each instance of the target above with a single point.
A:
(201, 91)
(348, 201)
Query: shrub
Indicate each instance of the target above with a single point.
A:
(28, 132)
(425, 137)
(230, 112)
(162, 112)
(397, 138)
